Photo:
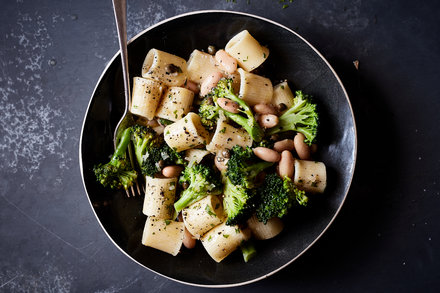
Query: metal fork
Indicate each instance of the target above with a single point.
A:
(120, 9)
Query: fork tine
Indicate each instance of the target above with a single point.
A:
(127, 192)
(137, 187)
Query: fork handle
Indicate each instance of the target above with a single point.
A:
(120, 9)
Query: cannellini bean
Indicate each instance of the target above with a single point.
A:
(220, 163)
(228, 105)
(302, 149)
(171, 171)
(228, 62)
(153, 123)
(210, 82)
(188, 240)
(192, 86)
(265, 109)
(268, 120)
(267, 154)
(283, 145)
(286, 166)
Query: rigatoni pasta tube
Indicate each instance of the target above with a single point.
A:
(175, 104)
(165, 67)
(282, 94)
(160, 194)
(310, 176)
(246, 49)
(186, 133)
(220, 241)
(226, 136)
(165, 235)
(203, 215)
(145, 97)
(255, 89)
(262, 231)
(200, 66)
(195, 156)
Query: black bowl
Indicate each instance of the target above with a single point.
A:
(292, 58)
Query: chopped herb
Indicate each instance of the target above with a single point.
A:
(167, 222)
(209, 211)
(282, 86)
(223, 130)
(165, 121)
(209, 238)
(225, 235)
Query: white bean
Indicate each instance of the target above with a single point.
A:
(286, 166)
(220, 163)
(313, 148)
(302, 149)
(268, 120)
(228, 105)
(267, 154)
(171, 171)
(210, 82)
(283, 145)
(188, 240)
(228, 62)
(192, 86)
(265, 109)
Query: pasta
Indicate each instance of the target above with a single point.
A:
(160, 194)
(164, 67)
(262, 231)
(226, 136)
(186, 133)
(255, 89)
(176, 103)
(282, 95)
(200, 66)
(202, 216)
(215, 149)
(248, 52)
(310, 176)
(165, 235)
(223, 239)
(145, 97)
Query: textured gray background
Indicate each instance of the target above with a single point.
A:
(387, 236)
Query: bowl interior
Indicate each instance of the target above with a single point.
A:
(290, 58)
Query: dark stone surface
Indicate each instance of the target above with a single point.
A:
(387, 235)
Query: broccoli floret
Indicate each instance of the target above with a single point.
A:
(241, 167)
(277, 196)
(151, 150)
(300, 117)
(224, 89)
(238, 202)
(248, 250)
(208, 112)
(118, 172)
(202, 182)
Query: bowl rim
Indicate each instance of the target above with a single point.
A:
(117, 54)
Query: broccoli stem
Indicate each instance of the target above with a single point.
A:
(187, 198)
(249, 123)
(122, 146)
(254, 130)
(248, 250)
